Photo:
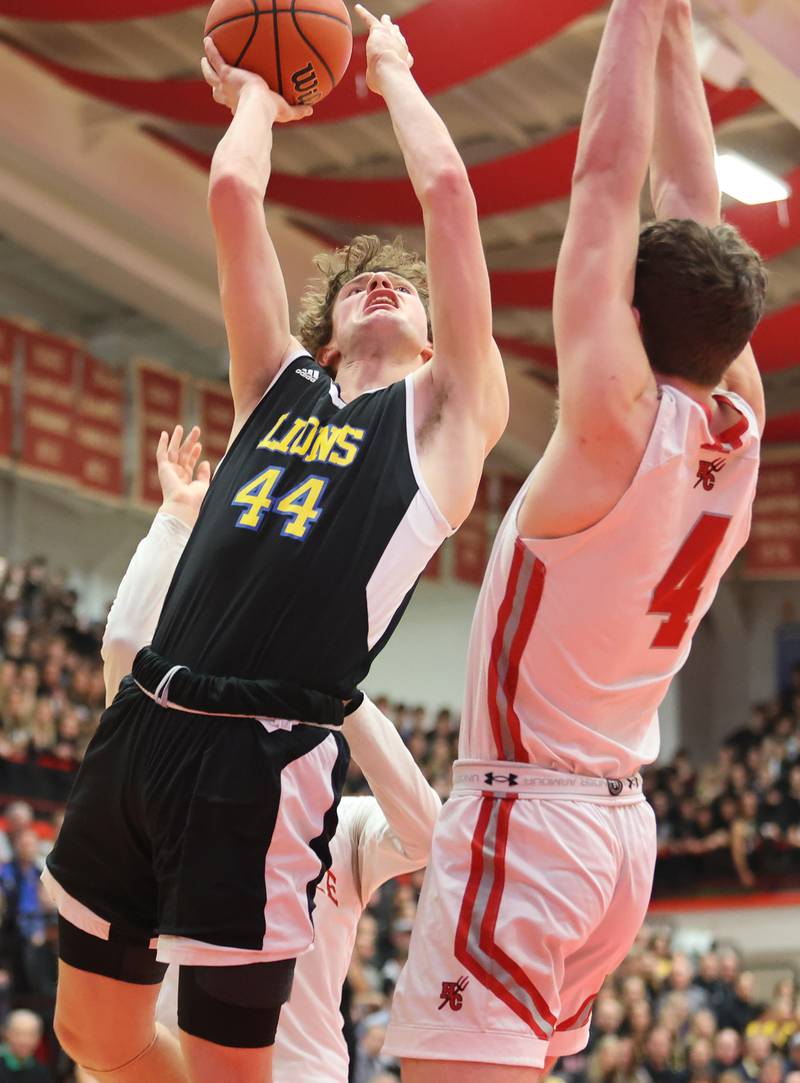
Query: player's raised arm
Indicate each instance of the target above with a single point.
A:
(602, 366)
(466, 370)
(251, 283)
(683, 174)
(141, 593)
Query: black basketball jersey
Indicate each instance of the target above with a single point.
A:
(310, 541)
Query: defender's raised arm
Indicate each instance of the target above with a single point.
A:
(602, 367)
(251, 283)
(683, 174)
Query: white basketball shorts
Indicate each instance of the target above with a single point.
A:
(537, 886)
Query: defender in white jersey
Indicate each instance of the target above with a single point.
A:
(606, 562)
(377, 838)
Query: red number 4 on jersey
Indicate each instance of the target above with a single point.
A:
(679, 590)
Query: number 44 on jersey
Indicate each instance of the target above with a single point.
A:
(300, 507)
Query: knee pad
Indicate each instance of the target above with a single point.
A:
(237, 1006)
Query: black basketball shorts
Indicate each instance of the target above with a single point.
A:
(199, 835)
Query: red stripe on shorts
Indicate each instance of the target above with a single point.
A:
(489, 922)
(569, 1024)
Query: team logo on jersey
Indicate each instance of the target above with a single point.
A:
(312, 375)
(614, 786)
(453, 993)
(707, 473)
(491, 778)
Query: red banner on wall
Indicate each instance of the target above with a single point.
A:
(215, 418)
(100, 428)
(159, 407)
(48, 407)
(471, 547)
(773, 551)
(7, 339)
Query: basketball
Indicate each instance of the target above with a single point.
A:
(301, 48)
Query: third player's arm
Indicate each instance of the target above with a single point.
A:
(602, 366)
(408, 803)
(466, 370)
(252, 289)
(683, 173)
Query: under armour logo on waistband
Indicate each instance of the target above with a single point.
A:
(491, 778)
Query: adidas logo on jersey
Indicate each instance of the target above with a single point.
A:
(312, 375)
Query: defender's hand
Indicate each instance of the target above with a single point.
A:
(385, 42)
(228, 84)
(184, 482)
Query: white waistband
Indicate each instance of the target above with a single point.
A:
(523, 780)
(161, 699)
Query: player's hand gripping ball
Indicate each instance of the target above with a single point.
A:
(300, 48)
(385, 40)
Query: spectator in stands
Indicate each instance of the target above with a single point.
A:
(657, 1062)
(369, 1059)
(757, 1049)
(728, 1053)
(772, 1070)
(23, 1035)
(699, 1059)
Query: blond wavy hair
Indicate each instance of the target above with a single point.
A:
(363, 253)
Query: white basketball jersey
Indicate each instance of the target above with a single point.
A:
(575, 639)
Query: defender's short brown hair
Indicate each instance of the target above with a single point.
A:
(700, 292)
(363, 253)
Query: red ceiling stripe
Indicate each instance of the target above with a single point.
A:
(453, 42)
(771, 228)
(543, 355)
(523, 289)
(777, 340)
(728, 104)
(482, 37)
(89, 11)
(784, 429)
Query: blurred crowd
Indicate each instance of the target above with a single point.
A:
(666, 1017)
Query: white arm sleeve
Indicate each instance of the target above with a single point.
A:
(137, 606)
(395, 836)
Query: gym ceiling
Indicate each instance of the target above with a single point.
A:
(106, 130)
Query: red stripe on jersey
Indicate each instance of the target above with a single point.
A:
(487, 932)
(503, 614)
(533, 599)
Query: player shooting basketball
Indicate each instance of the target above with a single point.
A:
(200, 823)
(377, 837)
(608, 559)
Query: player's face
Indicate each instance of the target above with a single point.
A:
(379, 307)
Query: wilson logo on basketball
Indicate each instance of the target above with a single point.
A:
(306, 84)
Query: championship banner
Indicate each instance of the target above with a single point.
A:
(215, 418)
(48, 407)
(159, 408)
(773, 551)
(100, 429)
(433, 569)
(7, 338)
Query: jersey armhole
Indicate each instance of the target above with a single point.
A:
(411, 439)
(292, 355)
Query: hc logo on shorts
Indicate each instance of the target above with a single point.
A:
(452, 993)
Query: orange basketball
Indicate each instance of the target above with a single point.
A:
(301, 48)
